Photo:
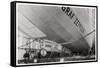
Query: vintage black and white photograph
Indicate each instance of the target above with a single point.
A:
(47, 33)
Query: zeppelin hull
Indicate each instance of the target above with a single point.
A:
(55, 25)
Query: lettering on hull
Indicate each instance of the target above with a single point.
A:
(71, 15)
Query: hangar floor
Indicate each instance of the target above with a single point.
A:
(62, 59)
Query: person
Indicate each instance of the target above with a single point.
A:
(26, 56)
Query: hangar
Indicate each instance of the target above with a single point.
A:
(74, 31)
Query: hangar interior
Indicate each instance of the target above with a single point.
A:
(46, 30)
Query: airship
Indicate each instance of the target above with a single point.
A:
(70, 26)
